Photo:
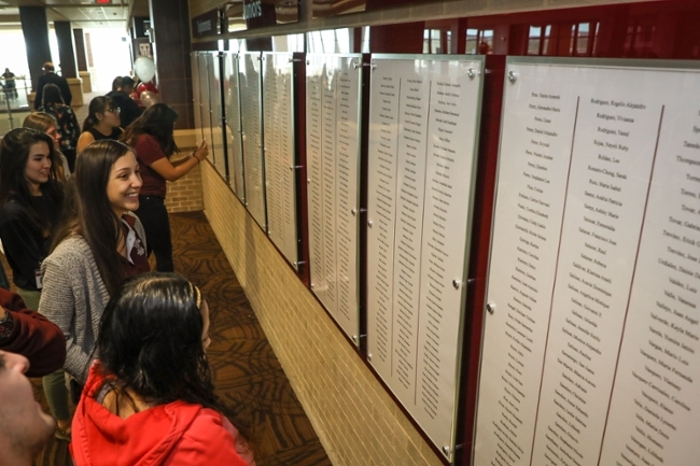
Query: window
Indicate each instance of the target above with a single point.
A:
(538, 40)
(582, 39)
(479, 41)
(432, 41)
(329, 41)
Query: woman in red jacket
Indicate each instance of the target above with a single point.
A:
(149, 400)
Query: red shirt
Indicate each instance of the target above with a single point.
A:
(148, 151)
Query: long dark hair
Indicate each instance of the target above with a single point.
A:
(150, 341)
(51, 96)
(14, 153)
(90, 212)
(97, 105)
(158, 121)
(42, 122)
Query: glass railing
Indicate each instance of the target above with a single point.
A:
(14, 103)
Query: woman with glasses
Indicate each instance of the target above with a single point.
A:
(103, 122)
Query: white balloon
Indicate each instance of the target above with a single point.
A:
(145, 68)
(148, 98)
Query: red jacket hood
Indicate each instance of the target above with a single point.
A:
(143, 439)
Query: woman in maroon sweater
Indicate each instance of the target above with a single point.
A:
(151, 136)
(30, 334)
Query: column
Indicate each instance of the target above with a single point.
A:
(171, 44)
(66, 57)
(36, 37)
(81, 57)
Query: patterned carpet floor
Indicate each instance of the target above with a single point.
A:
(247, 374)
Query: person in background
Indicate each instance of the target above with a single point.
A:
(46, 123)
(50, 77)
(24, 427)
(9, 86)
(129, 110)
(30, 334)
(150, 394)
(103, 122)
(66, 122)
(151, 136)
(98, 244)
(31, 200)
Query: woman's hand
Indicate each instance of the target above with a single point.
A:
(202, 152)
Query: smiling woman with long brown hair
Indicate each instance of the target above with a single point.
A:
(97, 246)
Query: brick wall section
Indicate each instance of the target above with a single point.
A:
(185, 195)
(357, 421)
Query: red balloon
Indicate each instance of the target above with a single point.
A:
(146, 87)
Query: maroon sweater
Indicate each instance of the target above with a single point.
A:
(33, 336)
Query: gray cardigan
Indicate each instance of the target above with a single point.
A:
(74, 297)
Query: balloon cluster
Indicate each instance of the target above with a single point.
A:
(145, 69)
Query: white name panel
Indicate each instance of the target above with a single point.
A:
(249, 74)
(233, 121)
(422, 145)
(333, 84)
(589, 269)
(280, 154)
(196, 98)
(216, 141)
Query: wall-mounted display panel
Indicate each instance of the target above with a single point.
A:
(203, 78)
(591, 354)
(333, 121)
(280, 153)
(234, 132)
(423, 120)
(196, 95)
(216, 144)
(250, 86)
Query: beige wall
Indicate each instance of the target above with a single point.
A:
(355, 418)
(185, 195)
